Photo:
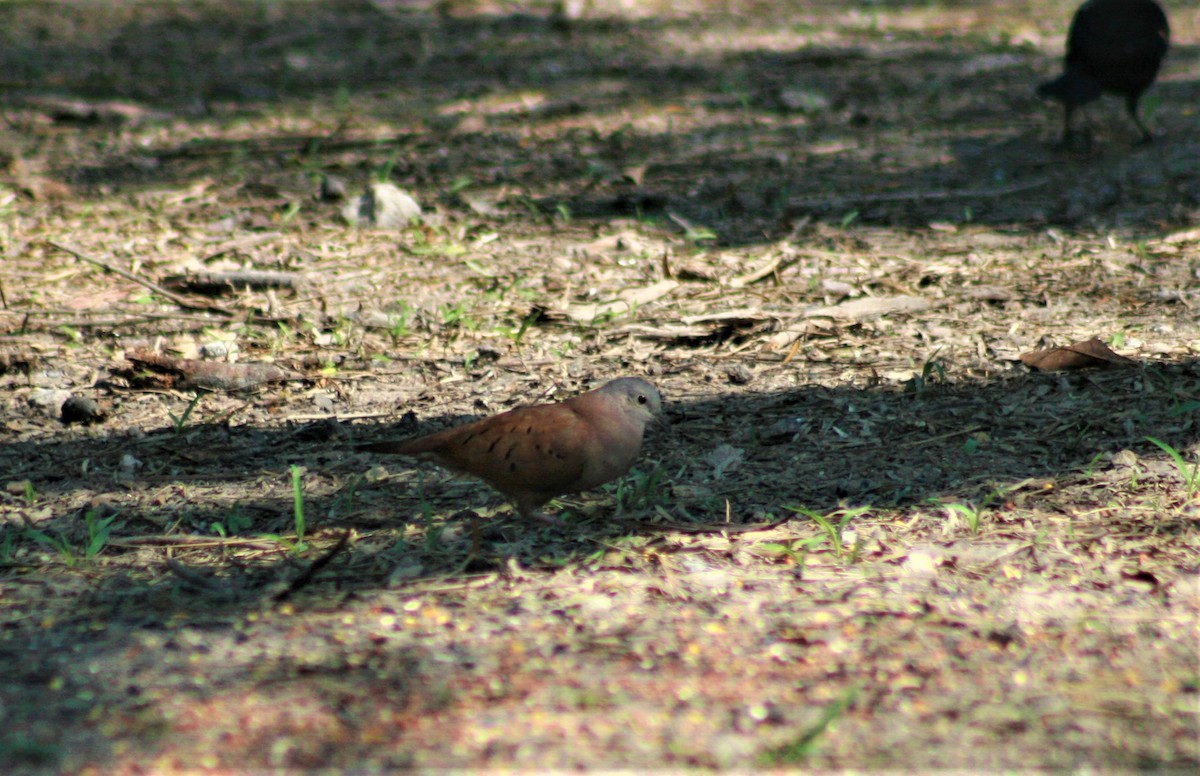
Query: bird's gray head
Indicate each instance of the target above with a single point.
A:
(638, 398)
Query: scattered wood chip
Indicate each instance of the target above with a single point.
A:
(731, 528)
(217, 283)
(621, 242)
(636, 174)
(186, 373)
(720, 326)
(66, 109)
(18, 361)
(1186, 236)
(1088, 354)
(36, 185)
(483, 204)
(870, 307)
(243, 242)
(694, 270)
(839, 288)
(750, 315)
(670, 333)
(764, 270)
(988, 293)
(627, 300)
(793, 332)
(177, 299)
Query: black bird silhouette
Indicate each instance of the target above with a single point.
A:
(1113, 46)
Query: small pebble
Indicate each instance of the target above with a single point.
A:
(739, 374)
(79, 409)
(218, 349)
(333, 189)
(384, 206)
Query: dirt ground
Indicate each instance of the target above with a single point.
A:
(871, 537)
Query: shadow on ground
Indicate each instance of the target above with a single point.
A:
(998, 446)
(601, 119)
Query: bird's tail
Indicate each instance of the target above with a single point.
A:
(411, 447)
(1072, 87)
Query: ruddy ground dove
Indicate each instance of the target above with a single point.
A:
(532, 454)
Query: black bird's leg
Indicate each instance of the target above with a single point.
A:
(1071, 139)
(1131, 107)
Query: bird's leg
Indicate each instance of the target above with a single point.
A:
(475, 551)
(1075, 140)
(1131, 107)
(476, 535)
(529, 506)
(1068, 109)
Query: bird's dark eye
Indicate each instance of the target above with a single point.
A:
(641, 399)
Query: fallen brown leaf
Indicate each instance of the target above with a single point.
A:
(1088, 354)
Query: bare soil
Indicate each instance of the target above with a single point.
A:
(872, 538)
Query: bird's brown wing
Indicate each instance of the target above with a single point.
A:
(540, 449)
